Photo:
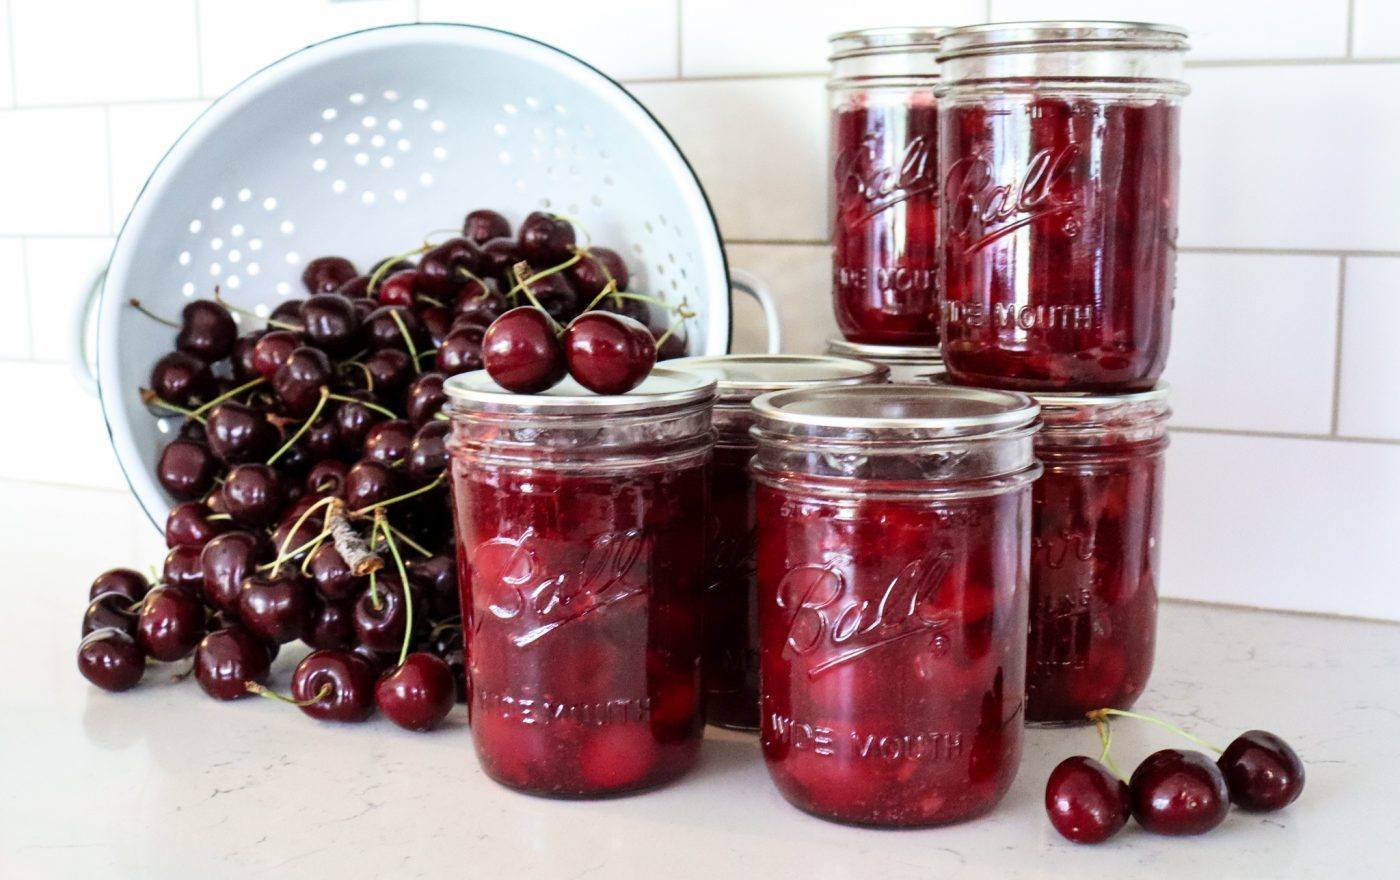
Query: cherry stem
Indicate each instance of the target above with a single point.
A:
(217, 517)
(305, 426)
(387, 266)
(149, 398)
(318, 540)
(374, 585)
(407, 339)
(136, 304)
(369, 375)
(1106, 738)
(345, 398)
(271, 322)
(253, 687)
(301, 520)
(423, 297)
(609, 289)
(230, 393)
(382, 523)
(1102, 714)
(407, 540)
(444, 625)
(397, 498)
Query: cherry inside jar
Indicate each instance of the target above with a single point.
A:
(580, 532)
(893, 553)
(884, 185)
(731, 590)
(1097, 521)
(1058, 150)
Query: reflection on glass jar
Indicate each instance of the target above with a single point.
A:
(906, 363)
(884, 185)
(731, 598)
(1058, 150)
(580, 534)
(893, 545)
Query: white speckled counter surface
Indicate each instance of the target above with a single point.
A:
(162, 782)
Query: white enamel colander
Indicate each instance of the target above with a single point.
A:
(361, 144)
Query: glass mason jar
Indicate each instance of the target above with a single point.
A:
(580, 541)
(731, 594)
(893, 567)
(906, 363)
(1058, 148)
(1097, 526)
(884, 185)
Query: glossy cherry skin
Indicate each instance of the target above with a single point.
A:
(182, 569)
(424, 398)
(436, 578)
(439, 271)
(418, 693)
(228, 658)
(482, 225)
(287, 315)
(131, 585)
(182, 379)
(226, 560)
(368, 483)
(522, 352)
(331, 627)
(111, 659)
(253, 494)
(326, 477)
(399, 289)
(272, 350)
(557, 297)
(391, 370)
(607, 353)
(352, 421)
(388, 441)
(1178, 793)
(339, 686)
(170, 624)
(460, 351)
(448, 645)
(498, 256)
(332, 323)
(480, 302)
(546, 240)
(591, 274)
(427, 454)
(381, 626)
(1085, 802)
(188, 525)
(241, 358)
(325, 274)
(322, 439)
(239, 433)
(186, 469)
(298, 382)
(332, 576)
(382, 330)
(275, 609)
(355, 288)
(207, 331)
(1262, 772)
(110, 611)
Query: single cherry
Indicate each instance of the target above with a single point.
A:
(188, 525)
(368, 483)
(482, 225)
(207, 331)
(556, 296)
(298, 382)
(427, 454)
(460, 351)
(239, 433)
(241, 358)
(334, 685)
(1262, 771)
(479, 302)
(131, 585)
(182, 569)
(595, 269)
(388, 442)
(226, 561)
(418, 693)
(424, 398)
(287, 315)
(353, 419)
(546, 239)
(436, 577)
(390, 370)
(275, 609)
(498, 256)
(1085, 801)
(186, 468)
(325, 274)
(332, 626)
(111, 659)
(182, 379)
(607, 353)
(332, 576)
(331, 323)
(522, 353)
(326, 477)
(253, 494)
(229, 658)
(170, 624)
(272, 350)
(1178, 792)
(382, 329)
(109, 611)
(399, 289)
(381, 626)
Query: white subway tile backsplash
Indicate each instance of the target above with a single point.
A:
(1300, 524)
(63, 438)
(1299, 156)
(53, 180)
(759, 147)
(800, 279)
(99, 530)
(61, 272)
(1370, 388)
(238, 37)
(79, 52)
(1377, 28)
(726, 37)
(626, 39)
(14, 301)
(141, 133)
(7, 89)
(1254, 342)
(1239, 29)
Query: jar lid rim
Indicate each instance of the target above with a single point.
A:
(953, 411)
(1056, 400)
(889, 38)
(998, 36)
(664, 387)
(744, 374)
(923, 353)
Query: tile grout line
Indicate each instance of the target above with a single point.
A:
(1337, 344)
(988, 12)
(680, 39)
(1239, 251)
(1351, 28)
(111, 184)
(28, 297)
(1288, 435)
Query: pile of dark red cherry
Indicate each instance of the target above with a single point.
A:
(311, 464)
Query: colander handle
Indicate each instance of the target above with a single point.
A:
(80, 352)
(748, 283)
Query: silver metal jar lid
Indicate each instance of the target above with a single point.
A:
(882, 40)
(663, 389)
(1089, 410)
(915, 354)
(1021, 36)
(932, 411)
(742, 377)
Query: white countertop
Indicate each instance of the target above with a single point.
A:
(163, 782)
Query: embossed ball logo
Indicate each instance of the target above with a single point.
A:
(981, 210)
